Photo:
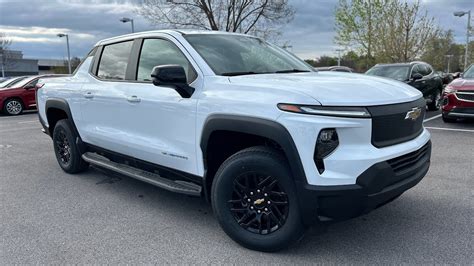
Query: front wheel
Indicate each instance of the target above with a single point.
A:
(435, 101)
(65, 147)
(13, 107)
(254, 199)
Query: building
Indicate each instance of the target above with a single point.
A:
(15, 65)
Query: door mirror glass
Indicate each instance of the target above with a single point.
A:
(174, 76)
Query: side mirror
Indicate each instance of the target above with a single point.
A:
(173, 76)
(29, 87)
(416, 76)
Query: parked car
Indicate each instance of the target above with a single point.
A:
(335, 68)
(417, 74)
(269, 141)
(445, 77)
(458, 98)
(10, 81)
(19, 95)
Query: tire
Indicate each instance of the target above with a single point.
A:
(13, 107)
(232, 199)
(435, 101)
(66, 149)
(447, 119)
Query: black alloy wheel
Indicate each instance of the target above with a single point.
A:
(258, 203)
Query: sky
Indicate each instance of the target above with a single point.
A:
(34, 24)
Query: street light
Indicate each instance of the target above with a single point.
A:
(460, 14)
(60, 35)
(339, 56)
(125, 20)
(449, 56)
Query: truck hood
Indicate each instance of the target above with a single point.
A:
(335, 89)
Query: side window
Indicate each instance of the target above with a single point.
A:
(114, 60)
(416, 69)
(426, 70)
(156, 52)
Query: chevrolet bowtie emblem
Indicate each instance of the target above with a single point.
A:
(259, 201)
(413, 114)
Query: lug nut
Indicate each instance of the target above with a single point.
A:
(251, 207)
(266, 209)
(265, 194)
(268, 202)
(258, 190)
(249, 200)
(259, 211)
(251, 193)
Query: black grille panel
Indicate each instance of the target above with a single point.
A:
(408, 161)
(466, 96)
(389, 126)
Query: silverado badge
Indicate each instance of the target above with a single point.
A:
(259, 201)
(413, 114)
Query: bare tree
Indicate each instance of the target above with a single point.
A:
(5, 42)
(258, 17)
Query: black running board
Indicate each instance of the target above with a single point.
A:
(177, 186)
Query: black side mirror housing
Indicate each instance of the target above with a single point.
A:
(416, 76)
(172, 76)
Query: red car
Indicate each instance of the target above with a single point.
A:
(458, 97)
(20, 96)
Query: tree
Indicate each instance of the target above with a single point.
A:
(384, 30)
(5, 55)
(257, 17)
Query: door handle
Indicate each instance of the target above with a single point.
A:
(133, 99)
(88, 95)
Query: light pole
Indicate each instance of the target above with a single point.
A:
(460, 14)
(60, 35)
(125, 20)
(339, 56)
(449, 56)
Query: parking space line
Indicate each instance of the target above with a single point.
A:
(451, 129)
(432, 118)
(26, 122)
(19, 129)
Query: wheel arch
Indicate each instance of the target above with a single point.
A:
(57, 109)
(259, 127)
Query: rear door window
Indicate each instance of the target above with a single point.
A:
(114, 60)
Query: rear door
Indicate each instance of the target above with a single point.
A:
(105, 99)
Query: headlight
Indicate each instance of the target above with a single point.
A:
(357, 112)
(449, 89)
(326, 143)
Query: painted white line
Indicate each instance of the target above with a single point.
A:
(431, 118)
(26, 122)
(20, 129)
(451, 129)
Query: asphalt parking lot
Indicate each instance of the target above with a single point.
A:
(49, 217)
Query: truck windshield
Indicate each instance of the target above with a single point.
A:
(232, 55)
(394, 72)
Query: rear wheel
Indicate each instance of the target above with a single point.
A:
(66, 149)
(13, 107)
(254, 199)
(435, 101)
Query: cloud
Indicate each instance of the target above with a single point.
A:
(33, 24)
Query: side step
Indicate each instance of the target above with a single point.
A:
(177, 186)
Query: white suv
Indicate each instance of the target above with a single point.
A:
(274, 145)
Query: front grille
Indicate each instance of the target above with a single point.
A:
(391, 126)
(465, 95)
(406, 162)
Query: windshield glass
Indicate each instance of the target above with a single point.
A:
(230, 55)
(10, 82)
(393, 72)
(469, 74)
(23, 82)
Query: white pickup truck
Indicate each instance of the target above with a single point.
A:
(274, 145)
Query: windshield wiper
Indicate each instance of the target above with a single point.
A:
(241, 73)
(292, 71)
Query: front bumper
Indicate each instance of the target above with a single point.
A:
(375, 187)
(453, 107)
